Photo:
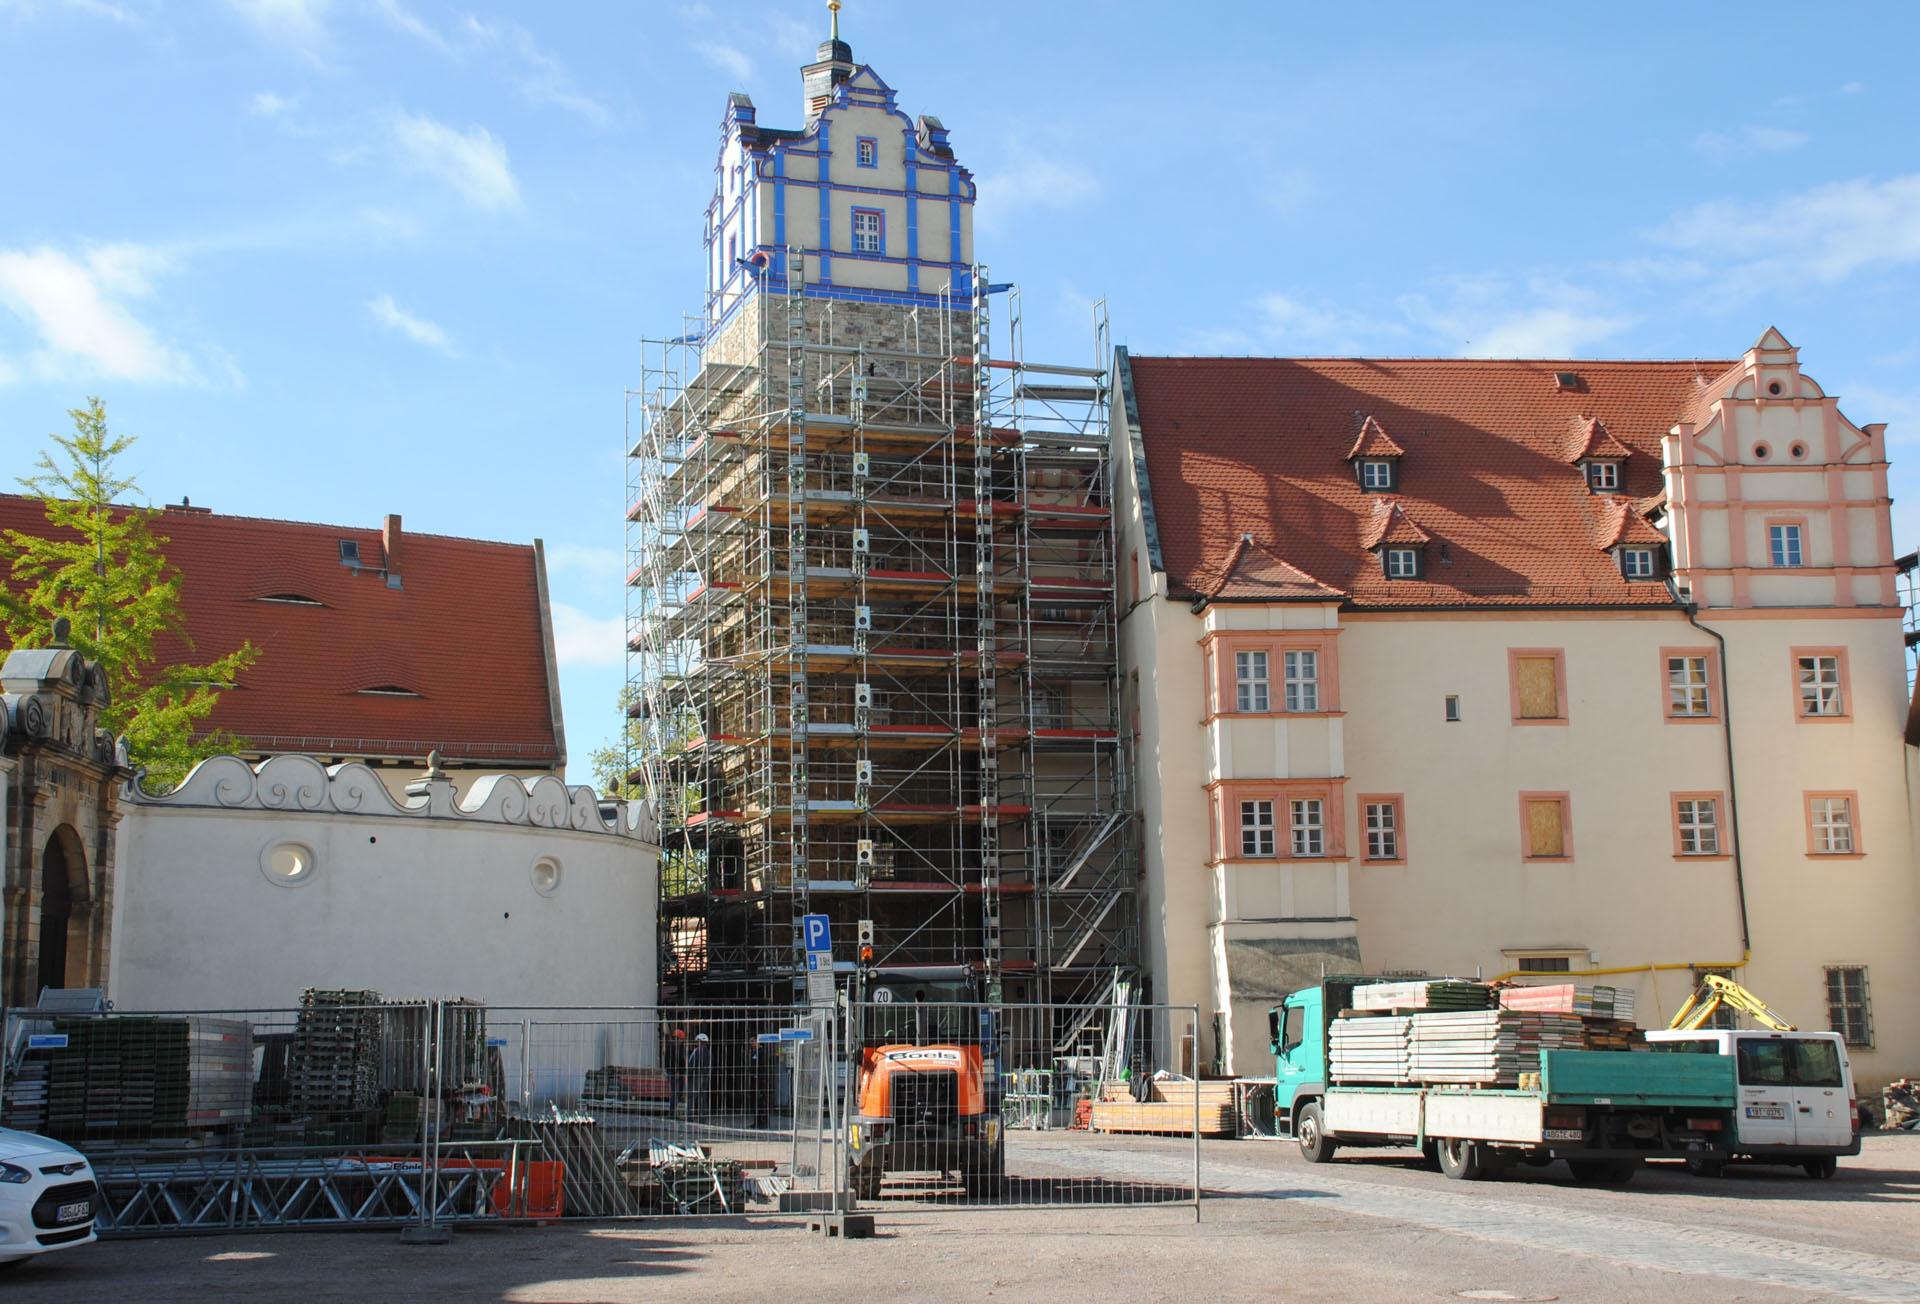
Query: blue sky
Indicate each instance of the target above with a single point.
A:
(330, 259)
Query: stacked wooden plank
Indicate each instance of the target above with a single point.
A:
(1369, 1049)
(1432, 994)
(1486, 1047)
(1588, 1000)
(1612, 1034)
(1162, 1116)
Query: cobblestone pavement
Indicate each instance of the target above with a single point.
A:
(1367, 1228)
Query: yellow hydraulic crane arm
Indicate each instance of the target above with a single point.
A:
(1714, 992)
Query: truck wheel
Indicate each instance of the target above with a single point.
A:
(866, 1181)
(1823, 1167)
(1460, 1159)
(1315, 1148)
(1707, 1167)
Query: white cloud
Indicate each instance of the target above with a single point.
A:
(1321, 328)
(299, 25)
(405, 20)
(725, 58)
(580, 639)
(268, 105)
(1748, 141)
(1826, 233)
(1036, 182)
(589, 561)
(76, 310)
(1541, 317)
(542, 78)
(472, 162)
(92, 8)
(1853, 88)
(1287, 191)
(418, 329)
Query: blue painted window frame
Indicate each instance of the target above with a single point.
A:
(866, 151)
(879, 215)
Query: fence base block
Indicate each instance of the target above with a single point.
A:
(421, 1234)
(846, 1226)
(805, 1201)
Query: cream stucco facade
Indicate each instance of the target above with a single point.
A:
(1417, 717)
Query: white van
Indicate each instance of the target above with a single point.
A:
(1797, 1103)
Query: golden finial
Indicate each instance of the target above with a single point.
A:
(833, 8)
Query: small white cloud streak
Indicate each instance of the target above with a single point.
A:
(1827, 233)
(1749, 141)
(298, 25)
(1032, 182)
(418, 329)
(725, 58)
(268, 105)
(580, 639)
(75, 308)
(472, 162)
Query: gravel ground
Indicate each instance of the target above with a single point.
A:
(1367, 1228)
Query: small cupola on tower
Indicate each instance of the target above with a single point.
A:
(1602, 459)
(832, 64)
(1375, 459)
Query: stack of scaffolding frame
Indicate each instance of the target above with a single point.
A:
(872, 647)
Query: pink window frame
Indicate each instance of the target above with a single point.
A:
(1559, 655)
(1399, 803)
(1713, 685)
(1852, 798)
(1846, 683)
(854, 232)
(1566, 828)
(1722, 831)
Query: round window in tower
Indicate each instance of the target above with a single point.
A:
(289, 864)
(1773, 388)
(1761, 452)
(546, 875)
(1799, 452)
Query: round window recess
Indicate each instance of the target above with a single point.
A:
(546, 876)
(289, 864)
(1761, 452)
(1773, 387)
(1799, 452)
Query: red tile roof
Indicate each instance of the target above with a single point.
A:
(1621, 522)
(1253, 572)
(1592, 439)
(1390, 525)
(463, 632)
(1259, 446)
(1374, 441)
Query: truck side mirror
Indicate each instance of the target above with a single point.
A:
(1273, 1032)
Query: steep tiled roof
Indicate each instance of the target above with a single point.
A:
(1374, 441)
(1390, 525)
(463, 631)
(1592, 439)
(1621, 522)
(1260, 446)
(1253, 572)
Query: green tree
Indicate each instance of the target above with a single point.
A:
(99, 564)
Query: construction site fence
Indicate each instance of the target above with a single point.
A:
(343, 1112)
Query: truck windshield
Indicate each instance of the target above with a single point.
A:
(1291, 1030)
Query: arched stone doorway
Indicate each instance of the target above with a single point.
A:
(63, 886)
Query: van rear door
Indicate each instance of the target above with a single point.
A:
(1766, 1091)
(1820, 1095)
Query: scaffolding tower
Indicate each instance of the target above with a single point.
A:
(871, 635)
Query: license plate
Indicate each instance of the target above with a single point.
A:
(1564, 1134)
(78, 1211)
(1766, 1111)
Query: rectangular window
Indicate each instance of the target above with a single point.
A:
(1783, 544)
(1376, 475)
(1830, 824)
(1538, 691)
(1546, 831)
(1302, 672)
(1383, 829)
(1603, 477)
(1848, 1012)
(1822, 691)
(1402, 564)
(1250, 681)
(1453, 708)
(1697, 825)
(867, 152)
(1544, 964)
(1689, 691)
(1256, 828)
(1638, 563)
(1307, 825)
(869, 231)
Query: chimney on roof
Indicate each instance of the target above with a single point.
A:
(390, 543)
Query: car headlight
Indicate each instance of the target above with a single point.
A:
(15, 1174)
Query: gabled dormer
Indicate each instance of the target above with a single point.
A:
(1400, 545)
(1602, 459)
(1638, 547)
(1375, 459)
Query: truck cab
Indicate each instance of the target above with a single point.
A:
(1797, 1103)
(1298, 1029)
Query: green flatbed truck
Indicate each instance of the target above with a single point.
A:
(1604, 1112)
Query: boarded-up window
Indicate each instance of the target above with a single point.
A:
(1546, 827)
(1539, 684)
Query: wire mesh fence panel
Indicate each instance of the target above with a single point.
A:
(693, 1110)
(1030, 1105)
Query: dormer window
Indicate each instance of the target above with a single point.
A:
(1401, 563)
(1375, 457)
(1603, 477)
(1640, 563)
(1376, 475)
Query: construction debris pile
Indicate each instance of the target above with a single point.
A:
(115, 1083)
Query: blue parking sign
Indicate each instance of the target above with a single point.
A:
(814, 930)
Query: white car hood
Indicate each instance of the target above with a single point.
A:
(16, 1145)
